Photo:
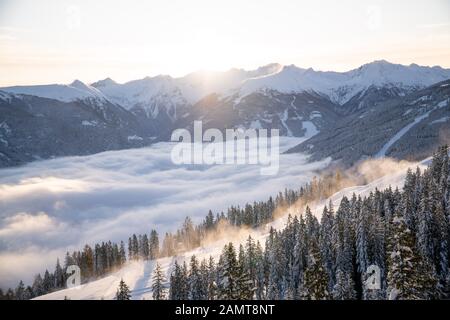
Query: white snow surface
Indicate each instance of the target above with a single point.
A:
(138, 274)
(441, 120)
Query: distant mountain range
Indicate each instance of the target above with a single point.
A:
(347, 115)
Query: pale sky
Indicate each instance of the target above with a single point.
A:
(57, 41)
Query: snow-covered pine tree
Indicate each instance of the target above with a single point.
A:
(130, 249)
(204, 274)
(260, 282)
(28, 295)
(154, 245)
(378, 255)
(10, 294)
(158, 280)
(135, 246)
(363, 249)
(59, 275)
(20, 291)
(145, 248)
(196, 283)
(325, 244)
(403, 276)
(176, 283)
(122, 254)
(343, 244)
(362, 237)
(227, 270)
(48, 282)
(288, 242)
(123, 292)
(440, 233)
(409, 200)
(245, 284)
(344, 288)
(276, 286)
(316, 279)
(211, 280)
(250, 259)
(209, 221)
(37, 285)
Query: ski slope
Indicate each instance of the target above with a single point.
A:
(138, 274)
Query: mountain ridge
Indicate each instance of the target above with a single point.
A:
(340, 87)
(116, 116)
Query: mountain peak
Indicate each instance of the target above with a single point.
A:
(381, 62)
(79, 84)
(377, 64)
(103, 83)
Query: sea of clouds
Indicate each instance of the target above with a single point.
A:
(49, 207)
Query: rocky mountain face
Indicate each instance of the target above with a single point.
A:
(378, 109)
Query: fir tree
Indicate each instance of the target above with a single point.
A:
(403, 278)
(344, 289)
(122, 254)
(245, 285)
(196, 282)
(59, 276)
(316, 278)
(20, 291)
(228, 274)
(211, 282)
(123, 292)
(158, 283)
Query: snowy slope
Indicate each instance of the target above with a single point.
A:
(77, 90)
(138, 274)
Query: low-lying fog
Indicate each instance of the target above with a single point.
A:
(49, 207)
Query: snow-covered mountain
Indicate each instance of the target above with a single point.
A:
(405, 127)
(151, 93)
(340, 87)
(299, 102)
(173, 95)
(77, 90)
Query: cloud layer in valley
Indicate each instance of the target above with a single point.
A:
(49, 207)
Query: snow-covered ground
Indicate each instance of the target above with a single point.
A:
(48, 207)
(138, 275)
